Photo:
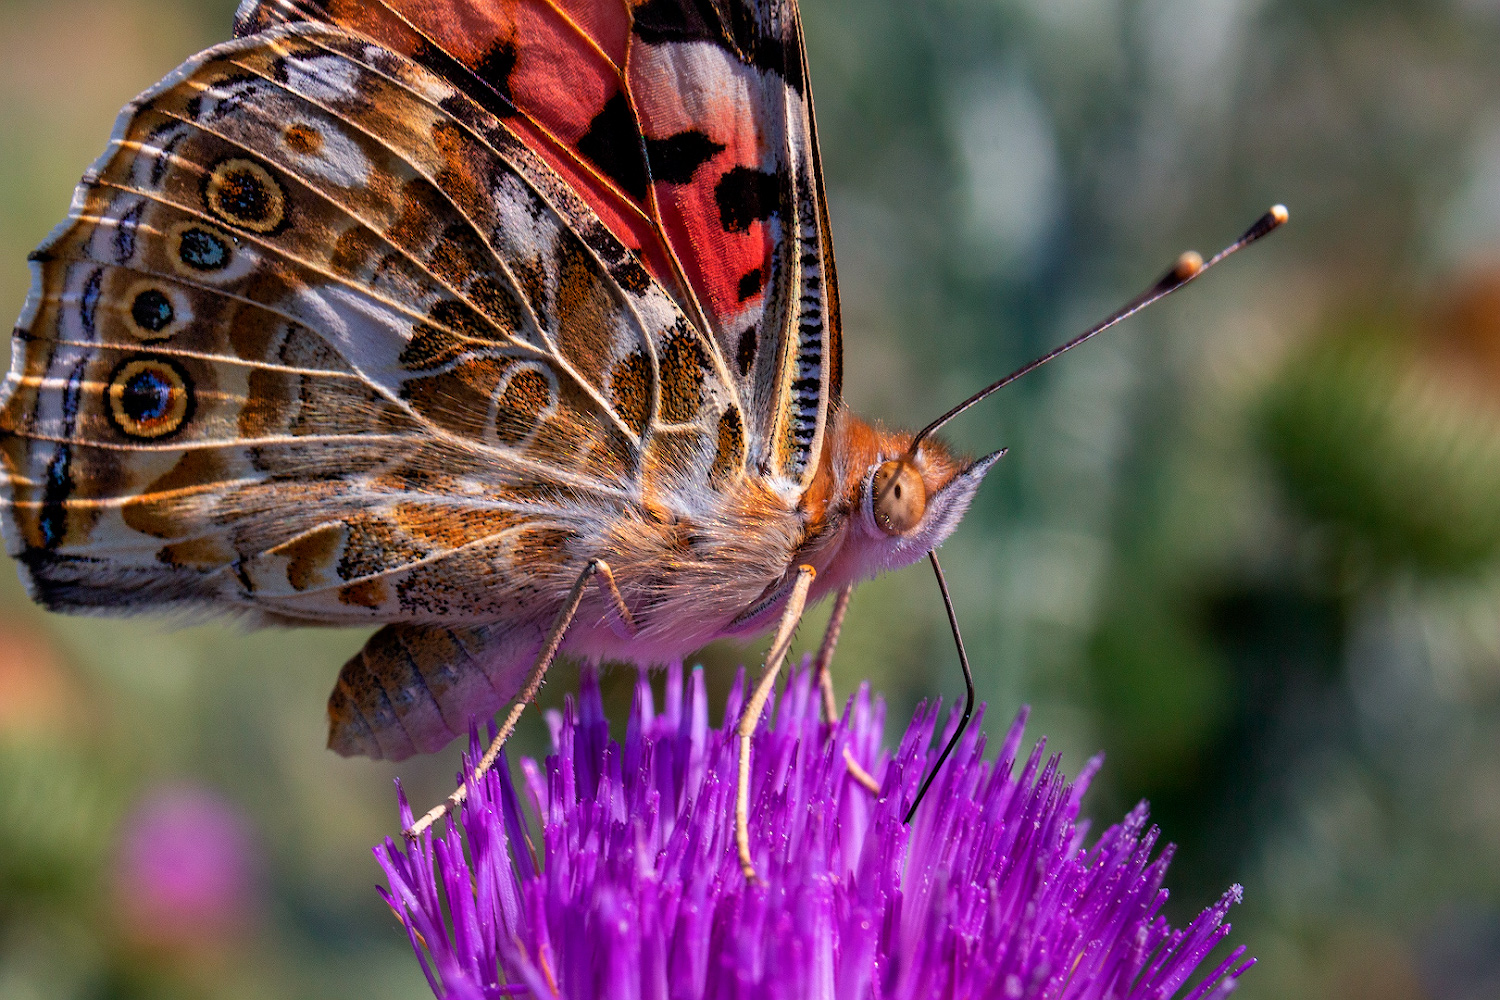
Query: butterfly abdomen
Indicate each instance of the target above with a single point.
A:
(413, 688)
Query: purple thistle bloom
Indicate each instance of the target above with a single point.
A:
(637, 892)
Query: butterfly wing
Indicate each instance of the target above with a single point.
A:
(323, 339)
(687, 127)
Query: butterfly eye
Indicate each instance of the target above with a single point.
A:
(898, 497)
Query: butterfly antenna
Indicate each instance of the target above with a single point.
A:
(1189, 266)
(963, 660)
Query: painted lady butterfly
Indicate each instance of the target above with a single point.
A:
(509, 325)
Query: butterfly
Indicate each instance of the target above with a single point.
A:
(511, 326)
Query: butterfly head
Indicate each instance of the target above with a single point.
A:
(901, 502)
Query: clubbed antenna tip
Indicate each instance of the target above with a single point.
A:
(1189, 266)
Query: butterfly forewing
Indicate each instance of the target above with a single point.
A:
(687, 128)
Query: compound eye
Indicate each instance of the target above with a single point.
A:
(898, 497)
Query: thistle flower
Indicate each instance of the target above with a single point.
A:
(633, 889)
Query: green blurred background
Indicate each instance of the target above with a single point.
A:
(1249, 544)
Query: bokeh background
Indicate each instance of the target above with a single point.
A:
(1248, 544)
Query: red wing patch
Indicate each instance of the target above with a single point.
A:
(686, 127)
(525, 61)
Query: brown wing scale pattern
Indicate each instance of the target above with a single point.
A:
(687, 128)
(321, 338)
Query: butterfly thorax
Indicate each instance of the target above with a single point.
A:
(728, 572)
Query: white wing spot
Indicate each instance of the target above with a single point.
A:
(322, 77)
(327, 153)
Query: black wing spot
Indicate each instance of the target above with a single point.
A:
(613, 143)
(745, 355)
(659, 21)
(202, 250)
(624, 266)
(631, 275)
(750, 285)
(731, 26)
(747, 195)
(152, 311)
(496, 66)
(491, 73)
(164, 154)
(676, 158)
(243, 193)
(54, 515)
(88, 303)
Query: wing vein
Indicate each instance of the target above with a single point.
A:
(556, 356)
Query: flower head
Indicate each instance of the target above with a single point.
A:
(187, 870)
(634, 890)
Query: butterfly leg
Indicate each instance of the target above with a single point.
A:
(821, 672)
(824, 678)
(528, 693)
(621, 622)
(795, 602)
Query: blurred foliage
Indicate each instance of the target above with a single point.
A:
(1247, 544)
(1403, 462)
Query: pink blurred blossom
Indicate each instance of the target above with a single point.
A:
(187, 871)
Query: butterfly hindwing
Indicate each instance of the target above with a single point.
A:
(324, 339)
(687, 128)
